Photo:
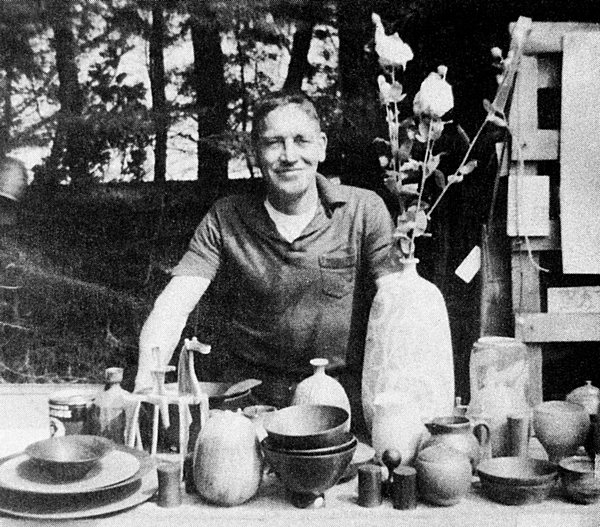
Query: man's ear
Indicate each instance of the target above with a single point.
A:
(323, 141)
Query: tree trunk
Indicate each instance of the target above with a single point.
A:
(157, 87)
(299, 66)
(211, 100)
(68, 149)
(358, 79)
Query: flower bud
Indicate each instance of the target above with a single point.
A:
(434, 98)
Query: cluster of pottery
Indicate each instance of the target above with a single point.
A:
(309, 447)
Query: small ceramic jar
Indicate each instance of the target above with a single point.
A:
(443, 475)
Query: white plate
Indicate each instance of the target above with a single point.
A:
(20, 473)
(45, 507)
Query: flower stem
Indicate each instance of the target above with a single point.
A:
(457, 171)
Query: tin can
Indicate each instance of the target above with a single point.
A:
(68, 412)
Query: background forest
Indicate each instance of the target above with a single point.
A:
(132, 117)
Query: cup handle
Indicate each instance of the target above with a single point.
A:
(481, 430)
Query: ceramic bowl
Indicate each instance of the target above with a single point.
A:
(307, 426)
(69, 458)
(517, 480)
(346, 443)
(579, 483)
(561, 427)
(309, 475)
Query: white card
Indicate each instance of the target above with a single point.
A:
(470, 265)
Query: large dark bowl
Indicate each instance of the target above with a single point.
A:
(69, 458)
(517, 480)
(309, 475)
(307, 426)
(579, 482)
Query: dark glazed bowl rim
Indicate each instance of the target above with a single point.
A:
(266, 444)
(488, 471)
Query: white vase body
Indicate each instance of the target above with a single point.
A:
(397, 425)
(321, 388)
(408, 346)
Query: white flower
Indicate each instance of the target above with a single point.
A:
(389, 93)
(391, 49)
(434, 98)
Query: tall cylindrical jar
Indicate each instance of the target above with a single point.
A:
(408, 346)
(321, 388)
(499, 381)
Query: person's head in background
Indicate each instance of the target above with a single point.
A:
(289, 146)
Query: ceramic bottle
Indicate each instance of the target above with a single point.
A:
(107, 413)
(408, 346)
(321, 388)
(397, 425)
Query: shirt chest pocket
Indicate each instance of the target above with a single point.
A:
(337, 273)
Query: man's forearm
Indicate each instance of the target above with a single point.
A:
(163, 327)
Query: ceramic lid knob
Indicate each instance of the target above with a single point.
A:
(587, 396)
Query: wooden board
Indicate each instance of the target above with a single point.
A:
(574, 299)
(528, 206)
(546, 37)
(557, 327)
(580, 154)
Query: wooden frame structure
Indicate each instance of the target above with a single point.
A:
(536, 148)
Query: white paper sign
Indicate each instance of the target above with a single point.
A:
(469, 267)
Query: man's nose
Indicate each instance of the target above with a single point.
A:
(290, 149)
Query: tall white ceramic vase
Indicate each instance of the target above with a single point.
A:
(408, 347)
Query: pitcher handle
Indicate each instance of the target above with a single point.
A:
(481, 430)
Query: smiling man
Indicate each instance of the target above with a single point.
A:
(295, 264)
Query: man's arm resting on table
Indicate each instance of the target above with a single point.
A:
(165, 323)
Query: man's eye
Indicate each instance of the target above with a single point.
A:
(300, 140)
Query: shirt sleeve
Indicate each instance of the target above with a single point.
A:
(203, 256)
(378, 237)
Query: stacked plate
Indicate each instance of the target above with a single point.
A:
(121, 479)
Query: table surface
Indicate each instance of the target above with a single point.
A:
(271, 508)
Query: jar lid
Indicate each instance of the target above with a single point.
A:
(587, 396)
(498, 342)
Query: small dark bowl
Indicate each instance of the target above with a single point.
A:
(69, 458)
(309, 475)
(517, 480)
(307, 426)
(578, 480)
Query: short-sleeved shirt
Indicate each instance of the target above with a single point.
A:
(288, 302)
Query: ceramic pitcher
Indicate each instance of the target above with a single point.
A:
(461, 434)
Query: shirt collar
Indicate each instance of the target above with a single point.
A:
(330, 194)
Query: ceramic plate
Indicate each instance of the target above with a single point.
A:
(67, 507)
(22, 474)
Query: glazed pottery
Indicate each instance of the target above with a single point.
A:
(397, 425)
(500, 382)
(561, 427)
(69, 458)
(587, 396)
(578, 479)
(408, 346)
(460, 434)
(443, 475)
(517, 480)
(307, 426)
(307, 477)
(321, 388)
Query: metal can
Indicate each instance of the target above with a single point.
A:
(68, 412)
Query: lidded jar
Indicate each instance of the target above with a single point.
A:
(587, 396)
(500, 383)
(321, 388)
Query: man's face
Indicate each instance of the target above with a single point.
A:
(290, 147)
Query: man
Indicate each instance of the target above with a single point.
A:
(295, 263)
